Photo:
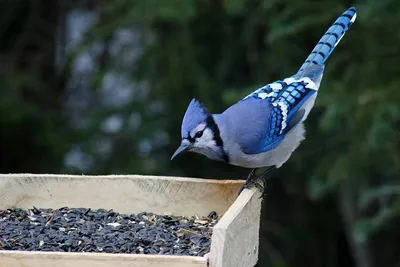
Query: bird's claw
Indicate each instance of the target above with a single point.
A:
(252, 180)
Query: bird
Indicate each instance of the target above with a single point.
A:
(264, 128)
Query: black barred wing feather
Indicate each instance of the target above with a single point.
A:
(286, 98)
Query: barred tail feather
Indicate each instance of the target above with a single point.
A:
(330, 39)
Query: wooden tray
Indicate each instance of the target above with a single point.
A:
(234, 240)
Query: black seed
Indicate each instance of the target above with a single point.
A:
(106, 231)
(212, 215)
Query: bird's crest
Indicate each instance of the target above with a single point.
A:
(195, 114)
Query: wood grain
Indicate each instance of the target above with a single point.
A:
(123, 193)
(235, 237)
(71, 259)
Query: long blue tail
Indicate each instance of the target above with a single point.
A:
(330, 39)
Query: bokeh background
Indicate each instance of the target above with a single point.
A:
(100, 87)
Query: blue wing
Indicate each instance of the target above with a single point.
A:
(268, 92)
(285, 103)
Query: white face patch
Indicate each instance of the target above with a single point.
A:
(206, 140)
(199, 127)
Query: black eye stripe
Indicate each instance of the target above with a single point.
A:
(217, 136)
(196, 135)
(214, 128)
(189, 138)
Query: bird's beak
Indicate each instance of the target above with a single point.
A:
(181, 149)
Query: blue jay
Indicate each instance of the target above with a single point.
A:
(264, 128)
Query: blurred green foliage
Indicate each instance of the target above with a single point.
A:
(335, 202)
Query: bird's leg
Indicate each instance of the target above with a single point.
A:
(263, 179)
(253, 180)
(252, 174)
(250, 177)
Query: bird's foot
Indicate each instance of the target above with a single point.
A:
(252, 180)
(259, 181)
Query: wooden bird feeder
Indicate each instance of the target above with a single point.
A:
(234, 240)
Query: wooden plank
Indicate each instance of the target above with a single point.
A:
(235, 237)
(234, 240)
(70, 259)
(123, 193)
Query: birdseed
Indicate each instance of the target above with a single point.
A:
(105, 231)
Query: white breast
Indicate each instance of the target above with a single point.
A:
(275, 157)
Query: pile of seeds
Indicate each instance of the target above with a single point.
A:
(86, 230)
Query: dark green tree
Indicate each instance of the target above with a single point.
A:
(333, 203)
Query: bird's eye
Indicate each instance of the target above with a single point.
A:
(199, 134)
